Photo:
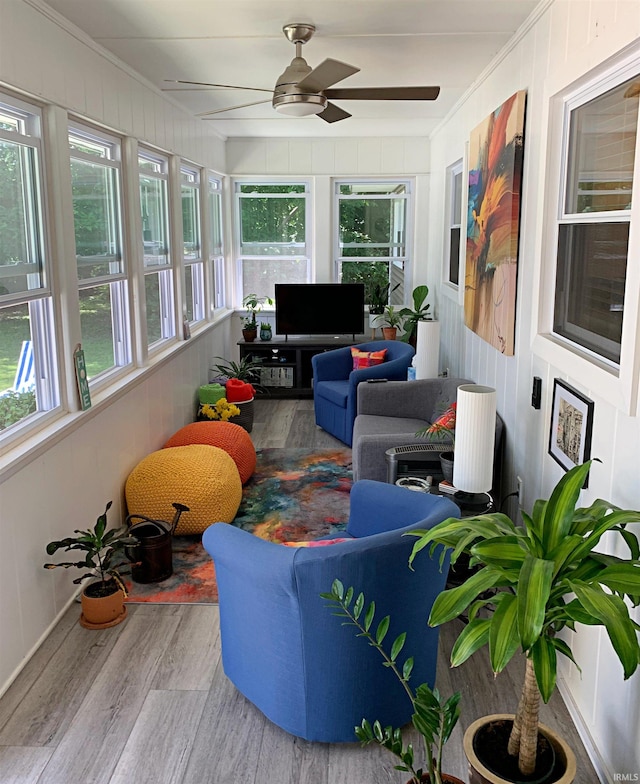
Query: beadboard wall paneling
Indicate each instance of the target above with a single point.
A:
(69, 485)
(569, 39)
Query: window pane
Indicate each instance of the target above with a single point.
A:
(188, 292)
(215, 210)
(153, 203)
(190, 223)
(590, 285)
(259, 276)
(457, 199)
(602, 144)
(97, 329)
(348, 189)
(273, 226)
(154, 311)
(373, 221)
(454, 256)
(251, 188)
(374, 275)
(17, 377)
(96, 219)
(20, 252)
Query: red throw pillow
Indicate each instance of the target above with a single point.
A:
(317, 543)
(365, 359)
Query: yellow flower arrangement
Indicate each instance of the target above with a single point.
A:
(220, 410)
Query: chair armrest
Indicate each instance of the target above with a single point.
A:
(377, 507)
(332, 365)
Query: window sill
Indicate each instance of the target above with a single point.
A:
(38, 440)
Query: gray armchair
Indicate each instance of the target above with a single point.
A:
(390, 413)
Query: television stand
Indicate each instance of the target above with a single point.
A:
(286, 363)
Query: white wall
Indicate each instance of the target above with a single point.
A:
(569, 38)
(322, 159)
(68, 484)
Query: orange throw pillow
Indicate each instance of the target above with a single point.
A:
(365, 359)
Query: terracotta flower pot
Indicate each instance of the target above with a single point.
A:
(447, 778)
(101, 612)
(249, 335)
(389, 333)
(563, 772)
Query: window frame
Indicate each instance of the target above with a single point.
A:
(453, 171)
(616, 382)
(39, 301)
(216, 266)
(118, 281)
(306, 256)
(165, 272)
(409, 199)
(193, 268)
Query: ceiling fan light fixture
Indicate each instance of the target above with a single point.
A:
(301, 105)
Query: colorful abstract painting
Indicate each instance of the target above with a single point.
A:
(496, 149)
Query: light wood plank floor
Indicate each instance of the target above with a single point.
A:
(147, 702)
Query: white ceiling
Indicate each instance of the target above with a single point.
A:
(240, 42)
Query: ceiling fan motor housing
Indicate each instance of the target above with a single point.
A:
(288, 98)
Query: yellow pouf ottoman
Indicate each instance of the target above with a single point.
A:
(234, 439)
(202, 477)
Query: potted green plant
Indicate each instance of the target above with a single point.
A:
(253, 304)
(104, 554)
(434, 718)
(247, 370)
(265, 330)
(391, 320)
(411, 316)
(532, 583)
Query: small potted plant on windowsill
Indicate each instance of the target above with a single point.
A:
(104, 553)
(253, 304)
(434, 718)
(391, 320)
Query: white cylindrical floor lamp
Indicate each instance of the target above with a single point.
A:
(475, 441)
(427, 349)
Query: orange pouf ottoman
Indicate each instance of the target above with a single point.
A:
(234, 439)
(202, 477)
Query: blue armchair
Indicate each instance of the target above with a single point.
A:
(282, 646)
(335, 382)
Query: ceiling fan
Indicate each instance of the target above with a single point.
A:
(301, 91)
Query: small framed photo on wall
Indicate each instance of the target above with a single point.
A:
(571, 426)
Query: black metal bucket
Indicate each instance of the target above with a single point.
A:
(153, 555)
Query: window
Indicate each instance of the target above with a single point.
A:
(157, 260)
(28, 370)
(372, 235)
(216, 254)
(102, 282)
(594, 222)
(192, 245)
(273, 238)
(453, 224)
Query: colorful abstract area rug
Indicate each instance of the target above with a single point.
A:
(294, 495)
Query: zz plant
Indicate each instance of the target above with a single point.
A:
(433, 717)
(535, 582)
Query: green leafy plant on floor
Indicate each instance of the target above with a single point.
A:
(433, 718)
(248, 369)
(104, 554)
(537, 581)
(419, 312)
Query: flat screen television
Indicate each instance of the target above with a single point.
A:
(319, 308)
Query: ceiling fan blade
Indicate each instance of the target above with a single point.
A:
(208, 84)
(333, 113)
(384, 93)
(205, 115)
(327, 73)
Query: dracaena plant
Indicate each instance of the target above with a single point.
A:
(535, 581)
(434, 718)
